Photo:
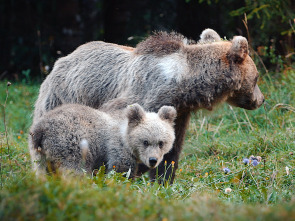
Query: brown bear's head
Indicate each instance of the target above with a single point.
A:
(150, 135)
(235, 56)
(248, 96)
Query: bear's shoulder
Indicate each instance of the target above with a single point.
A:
(162, 43)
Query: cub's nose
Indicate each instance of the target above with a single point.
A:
(153, 161)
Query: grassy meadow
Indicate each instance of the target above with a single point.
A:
(214, 141)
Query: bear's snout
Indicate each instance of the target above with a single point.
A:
(259, 98)
(153, 161)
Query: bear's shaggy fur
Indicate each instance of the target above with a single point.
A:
(165, 69)
(58, 139)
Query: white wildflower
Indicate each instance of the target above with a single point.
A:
(259, 158)
(287, 170)
(227, 190)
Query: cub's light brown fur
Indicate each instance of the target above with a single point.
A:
(165, 69)
(134, 137)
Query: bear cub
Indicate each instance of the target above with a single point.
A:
(76, 137)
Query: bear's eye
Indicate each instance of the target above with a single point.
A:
(161, 143)
(145, 143)
(255, 81)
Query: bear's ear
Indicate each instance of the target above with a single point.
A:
(167, 113)
(209, 35)
(135, 114)
(239, 49)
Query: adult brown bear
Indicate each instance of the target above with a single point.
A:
(164, 69)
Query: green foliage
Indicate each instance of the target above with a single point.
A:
(26, 74)
(20, 105)
(270, 21)
(214, 141)
(266, 10)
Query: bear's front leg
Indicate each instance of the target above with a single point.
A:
(169, 165)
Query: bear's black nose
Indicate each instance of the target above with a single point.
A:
(153, 161)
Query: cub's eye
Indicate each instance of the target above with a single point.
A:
(161, 143)
(145, 143)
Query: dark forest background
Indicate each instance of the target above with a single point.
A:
(34, 33)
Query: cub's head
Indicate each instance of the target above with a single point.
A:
(150, 135)
(235, 57)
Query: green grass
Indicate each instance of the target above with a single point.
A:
(214, 141)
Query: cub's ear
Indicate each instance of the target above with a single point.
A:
(135, 114)
(239, 49)
(167, 113)
(209, 35)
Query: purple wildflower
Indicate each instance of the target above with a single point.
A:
(226, 170)
(246, 161)
(255, 163)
